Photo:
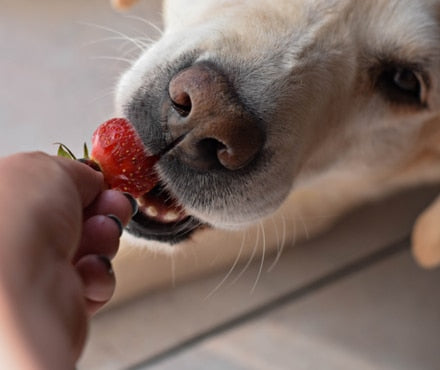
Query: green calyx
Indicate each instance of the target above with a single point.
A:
(64, 151)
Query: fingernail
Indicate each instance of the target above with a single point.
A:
(118, 222)
(133, 202)
(91, 163)
(108, 265)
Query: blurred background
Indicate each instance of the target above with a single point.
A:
(60, 61)
(350, 299)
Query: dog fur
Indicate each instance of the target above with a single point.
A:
(321, 75)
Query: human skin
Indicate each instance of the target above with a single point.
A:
(56, 243)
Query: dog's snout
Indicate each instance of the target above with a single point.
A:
(215, 127)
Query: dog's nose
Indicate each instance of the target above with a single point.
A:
(215, 128)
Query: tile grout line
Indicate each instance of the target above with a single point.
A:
(315, 285)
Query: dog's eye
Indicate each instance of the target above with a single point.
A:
(407, 81)
(402, 85)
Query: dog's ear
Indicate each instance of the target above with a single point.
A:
(426, 232)
(123, 4)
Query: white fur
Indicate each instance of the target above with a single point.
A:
(338, 142)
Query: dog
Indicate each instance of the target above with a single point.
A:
(273, 111)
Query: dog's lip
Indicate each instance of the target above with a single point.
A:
(171, 233)
(161, 217)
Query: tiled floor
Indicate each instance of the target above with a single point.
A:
(351, 299)
(384, 316)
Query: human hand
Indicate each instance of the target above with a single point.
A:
(56, 241)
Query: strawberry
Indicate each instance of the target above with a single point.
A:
(119, 153)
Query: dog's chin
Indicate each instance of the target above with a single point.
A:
(161, 218)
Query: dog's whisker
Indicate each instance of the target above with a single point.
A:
(173, 270)
(142, 41)
(134, 51)
(130, 53)
(250, 259)
(306, 231)
(116, 32)
(281, 246)
(294, 232)
(230, 271)
(147, 22)
(263, 252)
(277, 236)
(137, 49)
(126, 50)
(101, 96)
(108, 57)
(146, 40)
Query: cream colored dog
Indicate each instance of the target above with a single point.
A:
(278, 112)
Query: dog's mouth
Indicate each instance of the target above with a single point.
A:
(159, 206)
(160, 217)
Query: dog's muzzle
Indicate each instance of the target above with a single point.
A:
(207, 133)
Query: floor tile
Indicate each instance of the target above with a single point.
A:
(135, 332)
(386, 317)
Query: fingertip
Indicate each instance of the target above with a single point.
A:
(133, 202)
(98, 279)
(100, 236)
(118, 223)
(113, 202)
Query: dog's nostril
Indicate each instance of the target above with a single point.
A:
(217, 130)
(181, 103)
(209, 149)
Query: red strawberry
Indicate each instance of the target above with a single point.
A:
(119, 152)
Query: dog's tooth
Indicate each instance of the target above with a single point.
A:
(151, 211)
(171, 216)
(141, 201)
